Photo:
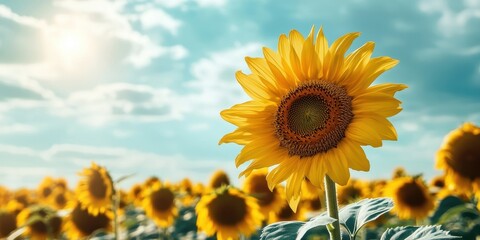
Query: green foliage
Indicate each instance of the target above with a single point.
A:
(281, 230)
(417, 233)
(356, 215)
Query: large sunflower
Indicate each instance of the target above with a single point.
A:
(459, 156)
(159, 204)
(81, 223)
(228, 213)
(312, 109)
(269, 201)
(410, 197)
(95, 190)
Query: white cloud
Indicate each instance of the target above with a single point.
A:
(455, 24)
(16, 128)
(64, 160)
(152, 17)
(122, 101)
(7, 13)
(211, 3)
(214, 79)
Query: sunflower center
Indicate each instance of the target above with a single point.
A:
(227, 210)
(60, 200)
(349, 194)
(38, 227)
(259, 188)
(412, 195)
(285, 213)
(313, 117)
(97, 186)
(87, 223)
(162, 199)
(46, 192)
(466, 156)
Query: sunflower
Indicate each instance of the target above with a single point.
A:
(59, 198)
(287, 214)
(42, 223)
(24, 196)
(312, 109)
(81, 223)
(410, 197)
(150, 181)
(14, 206)
(459, 157)
(135, 195)
(45, 188)
(399, 172)
(5, 195)
(269, 201)
(376, 188)
(218, 179)
(8, 223)
(355, 189)
(95, 190)
(227, 212)
(312, 197)
(159, 204)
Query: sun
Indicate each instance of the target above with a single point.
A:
(68, 47)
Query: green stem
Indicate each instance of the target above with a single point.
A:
(115, 203)
(332, 206)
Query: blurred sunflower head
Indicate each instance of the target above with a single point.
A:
(81, 223)
(459, 157)
(159, 204)
(150, 181)
(24, 196)
(354, 190)
(399, 172)
(227, 212)
(14, 207)
(95, 189)
(8, 223)
(5, 195)
(60, 198)
(269, 201)
(311, 110)
(410, 197)
(377, 187)
(41, 223)
(218, 179)
(287, 214)
(45, 188)
(135, 195)
(61, 183)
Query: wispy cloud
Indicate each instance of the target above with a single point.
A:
(214, 83)
(64, 160)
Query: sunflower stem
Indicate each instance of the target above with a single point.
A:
(332, 207)
(115, 203)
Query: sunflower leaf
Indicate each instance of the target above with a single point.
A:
(320, 220)
(417, 233)
(355, 215)
(281, 230)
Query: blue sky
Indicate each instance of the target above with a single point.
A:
(137, 85)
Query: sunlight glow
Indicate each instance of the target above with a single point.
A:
(68, 48)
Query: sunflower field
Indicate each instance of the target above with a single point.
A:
(312, 109)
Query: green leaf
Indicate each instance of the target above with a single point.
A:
(281, 230)
(320, 220)
(355, 215)
(444, 205)
(417, 233)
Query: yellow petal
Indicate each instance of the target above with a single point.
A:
(337, 168)
(296, 41)
(335, 56)
(280, 173)
(253, 86)
(363, 133)
(274, 62)
(357, 160)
